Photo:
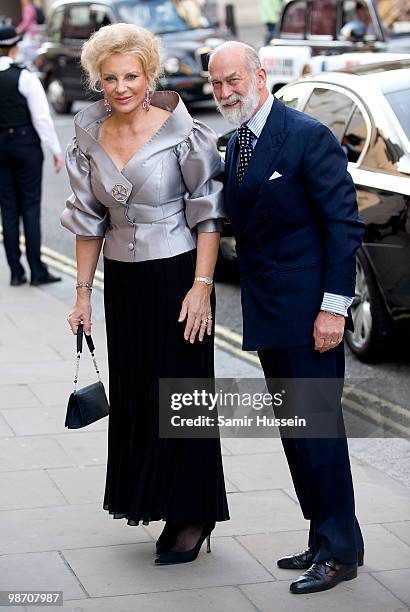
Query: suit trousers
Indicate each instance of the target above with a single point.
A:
(320, 467)
(21, 162)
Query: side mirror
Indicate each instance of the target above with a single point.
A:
(353, 31)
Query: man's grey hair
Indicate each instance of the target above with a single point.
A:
(251, 56)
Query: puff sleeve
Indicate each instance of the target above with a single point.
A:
(83, 215)
(202, 171)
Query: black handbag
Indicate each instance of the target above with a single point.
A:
(86, 405)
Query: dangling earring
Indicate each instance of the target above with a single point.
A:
(147, 100)
(107, 105)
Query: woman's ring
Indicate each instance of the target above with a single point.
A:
(204, 321)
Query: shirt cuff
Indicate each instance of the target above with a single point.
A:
(336, 303)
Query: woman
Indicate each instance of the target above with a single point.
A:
(145, 178)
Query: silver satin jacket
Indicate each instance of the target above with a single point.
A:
(168, 191)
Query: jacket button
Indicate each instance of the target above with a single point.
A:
(131, 246)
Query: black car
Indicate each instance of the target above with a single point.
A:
(368, 110)
(186, 39)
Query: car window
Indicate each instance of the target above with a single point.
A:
(355, 136)
(55, 25)
(163, 16)
(78, 24)
(294, 18)
(294, 95)
(323, 18)
(99, 17)
(331, 108)
(399, 101)
(356, 11)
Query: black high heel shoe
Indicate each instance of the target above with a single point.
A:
(166, 539)
(170, 557)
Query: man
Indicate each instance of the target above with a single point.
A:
(293, 210)
(24, 122)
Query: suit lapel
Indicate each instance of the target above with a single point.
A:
(261, 163)
(232, 195)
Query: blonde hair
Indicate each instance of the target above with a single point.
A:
(120, 38)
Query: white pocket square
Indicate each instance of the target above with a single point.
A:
(274, 176)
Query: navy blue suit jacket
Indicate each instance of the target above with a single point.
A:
(296, 235)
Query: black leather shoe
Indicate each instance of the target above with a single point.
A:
(18, 279)
(301, 560)
(323, 576)
(49, 278)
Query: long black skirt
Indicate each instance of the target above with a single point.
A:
(151, 478)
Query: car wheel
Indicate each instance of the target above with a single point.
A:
(370, 339)
(57, 97)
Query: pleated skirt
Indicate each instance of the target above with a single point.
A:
(150, 478)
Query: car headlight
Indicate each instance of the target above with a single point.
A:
(172, 65)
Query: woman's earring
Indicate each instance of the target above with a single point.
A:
(147, 100)
(107, 105)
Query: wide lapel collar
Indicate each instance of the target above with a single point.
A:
(267, 148)
(116, 185)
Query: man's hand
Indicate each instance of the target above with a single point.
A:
(328, 331)
(58, 162)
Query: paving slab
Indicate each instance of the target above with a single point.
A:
(28, 489)
(85, 447)
(115, 570)
(397, 581)
(41, 420)
(5, 430)
(228, 599)
(80, 485)
(45, 571)
(16, 396)
(363, 594)
(261, 512)
(31, 453)
(262, 471)
(68, 526)
(401, 530)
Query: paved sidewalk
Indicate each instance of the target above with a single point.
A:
(54, 533)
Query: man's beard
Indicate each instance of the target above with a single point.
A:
(245, 110)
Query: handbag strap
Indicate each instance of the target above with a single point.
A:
(91, 348)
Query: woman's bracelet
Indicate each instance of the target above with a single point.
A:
(84, 285)
(207, 280)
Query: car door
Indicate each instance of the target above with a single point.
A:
(372, 162)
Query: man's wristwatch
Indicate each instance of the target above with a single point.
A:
(208, 280)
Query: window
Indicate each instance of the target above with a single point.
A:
(358, 11)
(294, 19)
(323, 18)
(99, 18)
(294, 95)
(163, 16)
(355, 136)
(56, 25)
(399, 101)
(331, 108)
(78, 23)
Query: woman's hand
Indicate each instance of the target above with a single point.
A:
(196, 309)
(81, 313)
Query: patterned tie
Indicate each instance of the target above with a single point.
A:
(245, 136)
